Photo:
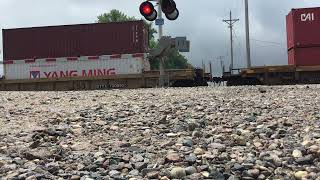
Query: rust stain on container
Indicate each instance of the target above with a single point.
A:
(75, 40)
(303, 27)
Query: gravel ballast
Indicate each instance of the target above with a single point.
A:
(218, 133)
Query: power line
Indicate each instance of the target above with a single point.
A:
(270, 42)
(268, 46)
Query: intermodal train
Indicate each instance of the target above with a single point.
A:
(84, 57)
(303, 44)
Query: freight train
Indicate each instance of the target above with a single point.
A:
(84, 57)
(303, 43)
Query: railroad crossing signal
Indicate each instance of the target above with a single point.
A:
(168, 7)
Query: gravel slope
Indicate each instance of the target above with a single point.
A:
(183, 133)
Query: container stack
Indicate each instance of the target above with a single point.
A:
(100, 49)
(303, 37)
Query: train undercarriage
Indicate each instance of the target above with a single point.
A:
(274, 75)
(148, 79)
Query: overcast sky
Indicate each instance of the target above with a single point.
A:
(200, 21)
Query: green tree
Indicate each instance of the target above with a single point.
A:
(173, 61)
(118, 16)
(114, 16)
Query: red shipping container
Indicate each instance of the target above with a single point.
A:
(75, 40)
(304, 56)
(303, 27)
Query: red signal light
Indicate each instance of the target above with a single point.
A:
(146, 8)
(148, 11)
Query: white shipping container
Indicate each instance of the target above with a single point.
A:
(81, 67)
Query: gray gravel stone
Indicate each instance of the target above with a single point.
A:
(190, 170)
(114, 173)
(140, 165)
(191, 159)
(305, 160)
(178, 173)
(187, 142)
(210, 132)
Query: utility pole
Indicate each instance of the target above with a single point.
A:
(161, 59)
(220, 58)
(247, 34)
(160, 17)
(203, 68)
(231, 22)
(210, 66)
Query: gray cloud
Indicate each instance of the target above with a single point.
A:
(200, 21)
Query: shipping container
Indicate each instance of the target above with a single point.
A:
(75, 40)
(303, 27)
(86, 66)
(304, 56)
